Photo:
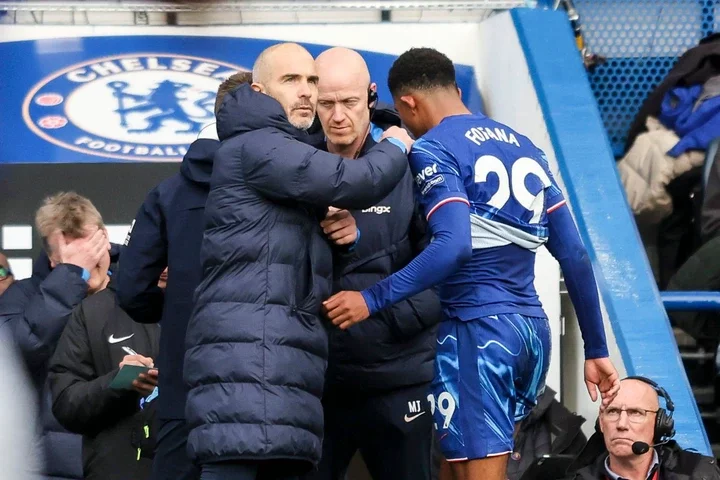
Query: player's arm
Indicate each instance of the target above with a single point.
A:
(565, 245)
(447, 210)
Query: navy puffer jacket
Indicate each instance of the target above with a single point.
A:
(256, 345)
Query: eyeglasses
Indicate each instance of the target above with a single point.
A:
(4, 273)
(635, 415)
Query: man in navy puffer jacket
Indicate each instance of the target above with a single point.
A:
(256, 345)
(167, 231)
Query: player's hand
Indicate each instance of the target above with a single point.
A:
(600, 373)
(399, 133)
(339, 226)
(345, 309)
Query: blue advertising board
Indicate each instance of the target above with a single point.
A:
(130, 98)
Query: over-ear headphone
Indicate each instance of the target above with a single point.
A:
(372, 97)
(664, 423)
(372, 101)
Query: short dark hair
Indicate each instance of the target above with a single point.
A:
(421, 69)
(230, 84)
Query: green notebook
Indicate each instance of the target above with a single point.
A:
(127, 374)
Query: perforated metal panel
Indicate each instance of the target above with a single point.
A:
(642, 40)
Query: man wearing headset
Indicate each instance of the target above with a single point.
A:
(637, 436)
(378, 371)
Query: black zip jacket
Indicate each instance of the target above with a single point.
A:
(395, 348)
(85, 362)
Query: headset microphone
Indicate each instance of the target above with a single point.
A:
(641, 448)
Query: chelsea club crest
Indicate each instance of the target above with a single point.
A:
(131, 107)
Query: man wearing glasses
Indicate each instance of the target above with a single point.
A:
(633, 440)
(6, 276)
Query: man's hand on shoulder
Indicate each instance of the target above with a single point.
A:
(345, 309)
(399, 134)
(340, 227)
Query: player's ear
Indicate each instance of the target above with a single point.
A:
(409, 102)
(258, 87)
(459, 92)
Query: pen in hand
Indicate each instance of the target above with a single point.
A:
(129, 351)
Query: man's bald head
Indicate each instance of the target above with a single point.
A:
(342, 65)
(641, 391)
(286, 72)
(343, 99)
(274, 56)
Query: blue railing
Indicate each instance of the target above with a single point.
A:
(691, 301)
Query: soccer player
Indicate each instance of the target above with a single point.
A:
(490, 201)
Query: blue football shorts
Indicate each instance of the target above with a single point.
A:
(488, 375)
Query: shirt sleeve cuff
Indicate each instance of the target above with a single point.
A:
(369, 301)
(596, 352)
(357, 239)
(79, 270)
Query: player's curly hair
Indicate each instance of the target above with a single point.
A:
(420, 69)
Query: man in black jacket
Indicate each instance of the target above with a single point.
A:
(167, 231)
(633, 441)
(91, 351)
(378, 372)
(34, 311)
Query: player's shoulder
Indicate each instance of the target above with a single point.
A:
(447, 136)
(456, 125)
(480, 132)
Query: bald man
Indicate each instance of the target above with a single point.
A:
(379, 371)
(256, 344)
(636, 432)
(6, 275)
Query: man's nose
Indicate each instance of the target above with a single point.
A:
(304, 90)
(338, 114)
(623, 422)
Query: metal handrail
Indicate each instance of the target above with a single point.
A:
(680, 301)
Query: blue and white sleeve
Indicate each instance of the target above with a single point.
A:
(554, 197)
(565, 245)
(444, 202)
(437, 176)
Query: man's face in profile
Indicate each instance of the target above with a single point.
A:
(293, 81)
